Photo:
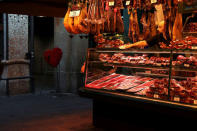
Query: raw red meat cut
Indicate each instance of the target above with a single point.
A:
(126, 84)
(143, 91)
(94, 83)
(142, 86)
(105, 81)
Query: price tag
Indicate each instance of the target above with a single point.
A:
(194, 47)
(195, 102)
(147, 72)
(74, 13)
(127, 2)
(111, 3)
(153, 1)
(177, 99)
(71, 14)
(186, 65)
(158, 64)
(156, 96)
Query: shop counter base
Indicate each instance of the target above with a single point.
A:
(122, 114)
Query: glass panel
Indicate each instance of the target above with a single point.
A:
(183, 86)
(143, 73)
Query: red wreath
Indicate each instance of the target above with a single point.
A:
(53, 56)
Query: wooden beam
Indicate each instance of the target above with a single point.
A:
(35, 8)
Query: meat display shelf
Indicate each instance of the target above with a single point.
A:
(161, 75)
(183, 69)
(184, 51)
(101, 50)
(161, 51)
(137, 67)
(190, 32)
(176, 68)
(151, 74)
(185, 34)
(128, 64)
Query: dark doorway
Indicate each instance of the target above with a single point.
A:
(43, 40)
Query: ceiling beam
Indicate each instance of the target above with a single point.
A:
(35, 7)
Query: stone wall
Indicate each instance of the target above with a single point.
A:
(17, 48)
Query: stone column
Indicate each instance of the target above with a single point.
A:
(74, 53)
(17, 48)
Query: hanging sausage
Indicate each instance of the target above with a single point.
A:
(95, 16)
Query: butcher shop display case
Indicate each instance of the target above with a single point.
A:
(184, 77)
(162, 76)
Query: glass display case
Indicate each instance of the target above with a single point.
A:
(184, 77)
(165, 76)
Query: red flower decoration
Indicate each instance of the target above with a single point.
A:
(53, 56)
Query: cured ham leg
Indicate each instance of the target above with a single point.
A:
(109, 19)
(119, 23)
(177, 28)
(81, 23)
(145, 24)
(66, 19)
(130, 26)
(134, 27)
(153, 29)
(114, 26)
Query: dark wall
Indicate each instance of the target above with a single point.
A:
(52, 8)
(1, 36)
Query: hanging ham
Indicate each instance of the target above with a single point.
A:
(153, 29)
(177, 27)
(76, 24)
(134, 32)
(81, 24)
(119, 23)
(146, 24)
(66, 19)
